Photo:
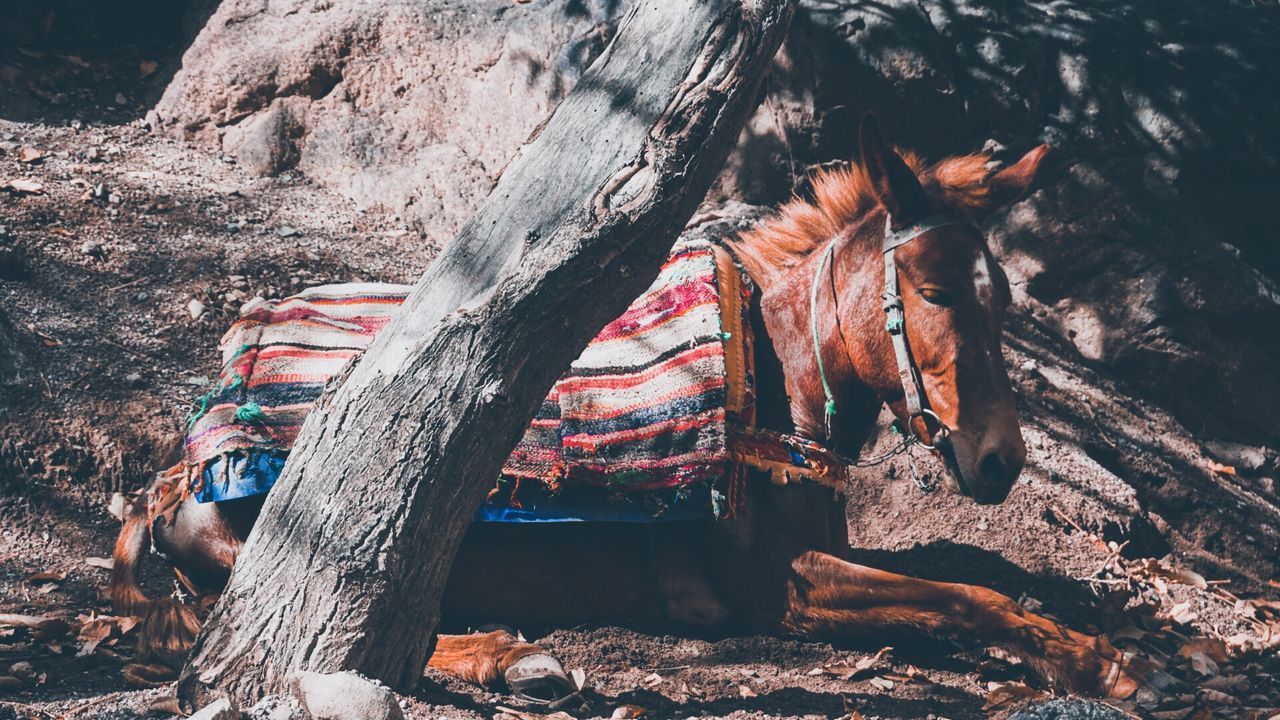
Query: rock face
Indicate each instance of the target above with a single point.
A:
(414, 106)
(1153, 254)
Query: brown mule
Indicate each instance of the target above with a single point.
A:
(776, 568)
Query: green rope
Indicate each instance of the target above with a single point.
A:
(250, 412)
(829, 409)
(218, 387)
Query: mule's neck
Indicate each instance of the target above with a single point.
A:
(848, 286)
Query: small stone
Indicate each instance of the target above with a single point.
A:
(92, 248)
(197, 381)
(121, 99)
(287, 231)
(338, 696)
(195, 309)
(133, 379)
(982, 524)
(1029, 366)
(277, 707)
(100, 192)
(23, 669)
(233, 227)
(141, 296)
(217, 710)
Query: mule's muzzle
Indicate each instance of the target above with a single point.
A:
(997, 476)
(988, 480)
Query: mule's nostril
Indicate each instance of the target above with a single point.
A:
(993, 468)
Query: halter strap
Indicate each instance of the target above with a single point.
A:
(912, 386)
(895, 317)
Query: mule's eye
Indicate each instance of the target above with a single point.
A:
(934, 296)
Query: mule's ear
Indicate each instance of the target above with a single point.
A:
(892, 182)
(1016, 181)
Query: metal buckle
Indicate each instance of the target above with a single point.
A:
(943, 430)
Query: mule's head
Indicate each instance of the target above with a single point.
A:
(955, 297)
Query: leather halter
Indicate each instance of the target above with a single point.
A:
(895, 320)
(895, 324)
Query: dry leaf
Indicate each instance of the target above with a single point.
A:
(98, 562)
(1212, 647)
(1128, 632)
(579, 678)
(23, 187)
(1160, 569)
(1227, 683)
(47, 576)
(148, 676)
(652, 679)
(746, 692)
(1203, 665)
(29, 155)
(1183, 614)
(1179, 714)
(98, 629)
(845, 671)
(166, 704)
(1217, 697)
(1002, 693)
(627, 712)
(45, 339)
(104, 628)
(33, 622)
(1221, 469)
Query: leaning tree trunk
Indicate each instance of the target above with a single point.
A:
(346, 567)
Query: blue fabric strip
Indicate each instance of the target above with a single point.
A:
(240, 475)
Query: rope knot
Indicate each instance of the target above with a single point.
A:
(250, 412)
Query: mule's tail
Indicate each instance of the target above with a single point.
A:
(131, 546)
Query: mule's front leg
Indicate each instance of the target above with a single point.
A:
(828, 596)
(492, 659)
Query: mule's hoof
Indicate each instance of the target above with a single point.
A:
(538, 678)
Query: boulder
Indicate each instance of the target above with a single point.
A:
(343, 695)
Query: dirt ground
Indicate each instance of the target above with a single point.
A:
(122, 269)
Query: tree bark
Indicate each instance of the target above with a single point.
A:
(347, 565)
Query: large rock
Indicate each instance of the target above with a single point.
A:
(1154, 255)
(343, 695)
(413, 106)
(221, 709)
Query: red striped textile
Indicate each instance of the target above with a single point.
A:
(645, 407)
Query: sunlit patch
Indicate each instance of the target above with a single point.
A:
(982, 280)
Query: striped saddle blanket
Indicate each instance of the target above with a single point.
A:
(653, 421)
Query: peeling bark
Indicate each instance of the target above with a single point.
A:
(347, 564)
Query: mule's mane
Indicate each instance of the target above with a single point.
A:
(843, 195)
